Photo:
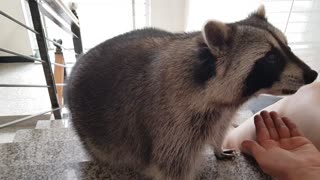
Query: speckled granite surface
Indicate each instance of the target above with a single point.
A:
(30, 135)
(37, 153)
(55, 152)
(66, 160)
(47, 124)
(238, 169)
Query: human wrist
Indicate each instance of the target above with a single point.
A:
(307, 169)
(306, 173)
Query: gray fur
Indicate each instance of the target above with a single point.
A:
(134, 100)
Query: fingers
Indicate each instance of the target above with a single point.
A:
(277, 127)
(270, 124)
(261, 129)
(252, 148)
(282, 129)
(294, 131)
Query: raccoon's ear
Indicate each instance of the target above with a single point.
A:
(260, 12)
(217, 35)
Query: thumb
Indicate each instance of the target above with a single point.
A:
(251, 147)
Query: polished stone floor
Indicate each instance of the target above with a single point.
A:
(56, 153)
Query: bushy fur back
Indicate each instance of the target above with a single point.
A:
(151, 100)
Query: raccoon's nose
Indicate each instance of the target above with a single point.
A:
(310, 76)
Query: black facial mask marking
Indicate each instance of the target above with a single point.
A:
(265, 72)
(251, 21)
(309, 75)
(205, 67)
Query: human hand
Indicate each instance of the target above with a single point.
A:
(281, 150)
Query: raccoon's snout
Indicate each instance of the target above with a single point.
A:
(310, 76)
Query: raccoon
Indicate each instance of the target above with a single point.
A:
(151, 100)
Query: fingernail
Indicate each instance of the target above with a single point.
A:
(257, 118)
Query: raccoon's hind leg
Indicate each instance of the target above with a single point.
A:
(117, 157)
(217, 141)
(177, 161)
(95, 152)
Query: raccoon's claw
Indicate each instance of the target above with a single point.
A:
(226, 154)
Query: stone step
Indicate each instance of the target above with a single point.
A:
(41, 153)
(45, 135)
(42, 159)
(240, 168)
(68, 171)
(48, 124)
(7, 133)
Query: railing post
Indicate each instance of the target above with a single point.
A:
(59, 71)
(43, 49)
(77, 42)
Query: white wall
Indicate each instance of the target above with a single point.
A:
(169, 14)
(13, 36)
(190, 15)
(200, 11)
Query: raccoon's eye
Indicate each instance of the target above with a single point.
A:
(272, 58)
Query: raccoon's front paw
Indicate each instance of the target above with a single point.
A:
(226, 154)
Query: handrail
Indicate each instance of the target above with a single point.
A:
(30, 58)
(57, 64)
(55, 43)
(28, 117)
(23, 85)
(55, 20)
(29, 85)
(32, 30)
(64, 12)
(18, 22)
(62, 16)
(18, 54)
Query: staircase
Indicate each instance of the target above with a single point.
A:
(53, 151)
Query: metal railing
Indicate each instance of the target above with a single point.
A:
(69, 17)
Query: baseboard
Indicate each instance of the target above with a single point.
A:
(14, 59)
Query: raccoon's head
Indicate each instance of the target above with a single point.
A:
(250, 57)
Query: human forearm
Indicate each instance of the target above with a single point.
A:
(306, 173)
